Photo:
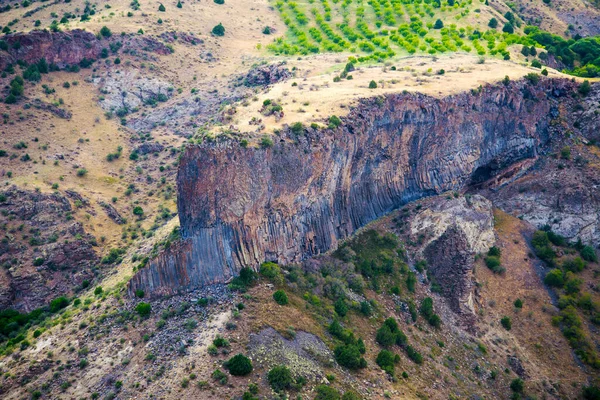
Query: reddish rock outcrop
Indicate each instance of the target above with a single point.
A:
(60, 48)
(239, 207)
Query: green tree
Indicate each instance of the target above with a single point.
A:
(493, 23)
(438, 24)
(555, 278)
(280, 378)
(589, 254)
(325, 392)
(508, 28)
(238, 365)
(372, 85)
(143, 309)
(105, 32)
(280, 297)
(218, 30)
(349, 356)
(506, 323)
(585, 88)
(161, 8)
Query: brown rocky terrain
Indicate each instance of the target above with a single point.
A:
(55, 256)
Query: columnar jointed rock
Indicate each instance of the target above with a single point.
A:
(452, 232)
(239, 207)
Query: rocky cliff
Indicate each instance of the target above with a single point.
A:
(60, 48)
(239, 207)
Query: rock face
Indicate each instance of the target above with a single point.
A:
(60, 48)
(453, 231)
(267, 75)
(239, 207)
(43, 253)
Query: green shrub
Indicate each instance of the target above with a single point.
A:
(518, 303)
(270, 270)
(573, 264)
(555, 278)
(532, 78)
(351, 395)
(325, 392)
(340, 307)
(536, 64)
(349, 356)
(438, 24)
(414, 355)
(506, 323)
(105, 32)
(508, 28)
(517, 385)
(589, 254)
(494, 251)
(334, 121)
(137, 210)
(493, 263)
(372, 85)
(426, 308)
(386, 360)
(218, 30)
(385, 337)
(219, 376)
(585, 88)
(58, 304)
(143, 309)
(238, 365)
(220, 341)
(266, 142)
(280, 378)
(161, 8)
(246, 278)
(280, 297)
(493, 23)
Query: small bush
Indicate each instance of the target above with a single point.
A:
(555, 278)
(220, 341)
(349, 356)
(372, 85)
(280, 378)
(218, 30)
(143, 309)
(58, 304)
(589, 254)
(506, 323)
(334, 121)
(517, 385)
(585, 88)
(105, 32)
(518, 303)
(325, 392)
(280, 297)
(238, 365)
(270, 270)
(386, 360)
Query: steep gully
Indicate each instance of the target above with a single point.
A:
(241, 206)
